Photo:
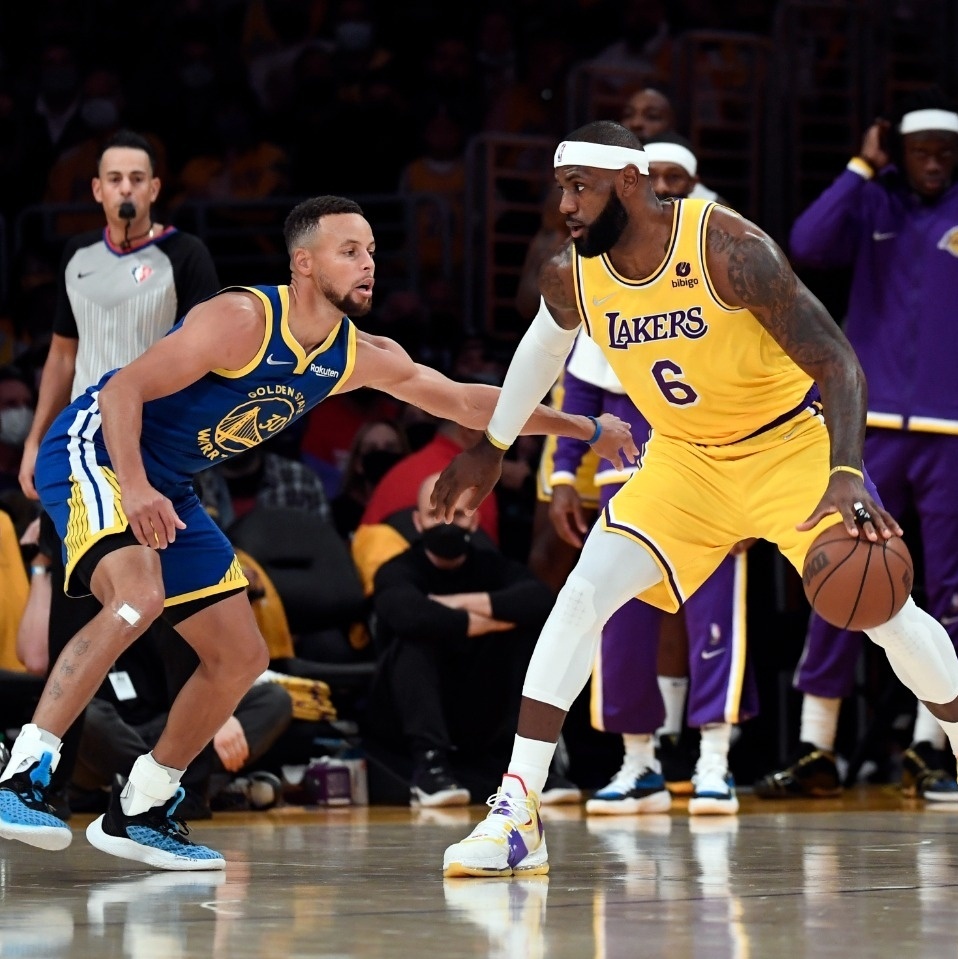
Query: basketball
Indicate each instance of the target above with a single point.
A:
(854, 583)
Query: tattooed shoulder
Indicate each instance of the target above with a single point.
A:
(555, 279)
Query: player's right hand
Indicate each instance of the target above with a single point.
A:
(28, 465)
(151, 516)
(567, 516)
(477, 470)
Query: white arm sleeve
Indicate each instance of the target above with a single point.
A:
(535, 367)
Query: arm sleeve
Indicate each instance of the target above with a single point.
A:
(405, 610)
(828, 233)
(578, 397)
(535, 367)
(194, 273)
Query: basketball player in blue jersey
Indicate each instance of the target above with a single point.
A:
(115, 473)
(724, 350)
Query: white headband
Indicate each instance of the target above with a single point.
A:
(672, 153)
(600, 155)
(920, 120)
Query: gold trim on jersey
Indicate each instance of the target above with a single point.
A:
(303, 359)
(80, 536)
(660, 269)
(703, 240)
(232, 578)
(267, 333)
(738, 642)
(616, 276)
(350, 359)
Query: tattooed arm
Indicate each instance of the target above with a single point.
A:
(749, 270)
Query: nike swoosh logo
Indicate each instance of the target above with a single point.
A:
(712, 653)
(271, 362)
(81, 275)
(948, 620)
(597, 302)
(878, 237)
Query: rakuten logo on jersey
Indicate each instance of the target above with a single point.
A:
(320, 370)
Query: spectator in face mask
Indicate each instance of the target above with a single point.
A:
(378, 446)
(17, 403)
(457, 623)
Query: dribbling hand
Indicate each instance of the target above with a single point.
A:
(846, 495)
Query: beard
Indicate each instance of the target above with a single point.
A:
(605, 230)
(345, 303)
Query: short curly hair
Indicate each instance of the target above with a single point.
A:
(304, 217)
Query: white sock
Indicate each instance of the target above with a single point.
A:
(716, 738)
(820, 721)
(29, 746)
(530, 762)
(640, 751)
(675, 691)
(150, 784)
(927, 728)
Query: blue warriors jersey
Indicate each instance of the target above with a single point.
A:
(224, 413)
(699, 370)
(227, 412)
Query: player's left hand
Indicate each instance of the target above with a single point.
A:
(231, 745)
(615, 443)
(846, 495)
(476, 470)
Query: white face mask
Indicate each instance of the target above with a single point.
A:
(15, 424)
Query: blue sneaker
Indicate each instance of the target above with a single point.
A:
(25, 813)
(713, 789)
(634, 789)
(154, 837)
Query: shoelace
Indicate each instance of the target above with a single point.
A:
(505, 809)
(625, 778)
(170, 825)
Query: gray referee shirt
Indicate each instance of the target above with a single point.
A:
(117, 304)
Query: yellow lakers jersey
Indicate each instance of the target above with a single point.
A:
(698, 369)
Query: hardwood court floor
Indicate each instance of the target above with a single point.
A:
(868, 875)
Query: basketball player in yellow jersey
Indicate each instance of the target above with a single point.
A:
(723, 349)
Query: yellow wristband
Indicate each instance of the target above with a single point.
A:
(862, 167)
(495, 442)
(846, 469)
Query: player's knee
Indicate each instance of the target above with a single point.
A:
(246, 658)
(574, 611)
(136, 612)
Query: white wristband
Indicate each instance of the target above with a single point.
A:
(535, 367)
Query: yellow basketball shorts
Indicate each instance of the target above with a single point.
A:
(689, 504)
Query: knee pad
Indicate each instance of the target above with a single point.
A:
(562, 660)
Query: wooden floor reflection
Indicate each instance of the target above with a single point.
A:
(867, 875)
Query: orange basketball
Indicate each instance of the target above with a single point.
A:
(854, 583)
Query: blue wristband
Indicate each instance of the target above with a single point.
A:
(598, 430)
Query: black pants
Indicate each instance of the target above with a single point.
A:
(453, 694)
(109, 745)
